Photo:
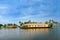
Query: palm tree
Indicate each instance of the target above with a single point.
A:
(21, 23)
(1, 24)
(46, 22)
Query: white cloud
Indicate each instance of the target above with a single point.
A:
(35, 10)
(27, 11)
(5, 20)
(38, 17)
(4, 9)
(0, 16)
(29, 2)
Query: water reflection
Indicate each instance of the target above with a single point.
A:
(41, 30)
(35, 34)
(10, 28)
(31, 33)
(0, 28)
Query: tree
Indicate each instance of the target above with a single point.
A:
(21, 23)
(1, 25)
(54, 22)
(10, 24)
(15, 24)
(46, 22)
(29, 21)
(40, 22)
(4, 25)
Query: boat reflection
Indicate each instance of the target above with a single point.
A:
(31, 33)
(38, 31)
(10, 28)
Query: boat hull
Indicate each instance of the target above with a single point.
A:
(33, 27)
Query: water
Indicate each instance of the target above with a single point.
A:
(30, 34)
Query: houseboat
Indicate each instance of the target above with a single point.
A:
(11, 26)
(29, 26)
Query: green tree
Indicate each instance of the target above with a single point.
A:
(9, 24)
(15, 24)
(4, 25)
(1, 25)
(21, 23)
(54, 22)
(46, 22)
(40, 22)
(29, 21)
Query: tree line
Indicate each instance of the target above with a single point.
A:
(46, 22)
(29, 21)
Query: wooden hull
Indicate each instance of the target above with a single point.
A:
(11, 27)
(34, 27)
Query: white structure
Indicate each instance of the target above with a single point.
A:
(35, 25)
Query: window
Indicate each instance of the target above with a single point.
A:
(35, 25)
(38, 25)
(29, 25)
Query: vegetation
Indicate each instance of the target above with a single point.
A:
(46, 22)
(1, 25)
(4, 25)
(21, 23)
(54, 22)
(29, 21)
(15, 24)
(51, 21)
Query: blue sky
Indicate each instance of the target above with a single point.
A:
(13, 11)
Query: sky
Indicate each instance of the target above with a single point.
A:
(13, 11)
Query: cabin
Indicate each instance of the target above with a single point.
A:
(35, 26)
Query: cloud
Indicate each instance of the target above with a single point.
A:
(2, 20)
(4, 9)
(6, 20)
(28, 2)
(35, 10)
